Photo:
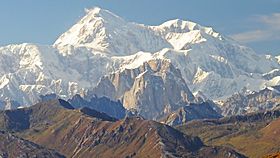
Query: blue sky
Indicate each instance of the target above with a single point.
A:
(255, 23)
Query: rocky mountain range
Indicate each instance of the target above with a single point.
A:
(249, 102)
(87, 133)
(82, 132)
(191, 112)
(102, 104)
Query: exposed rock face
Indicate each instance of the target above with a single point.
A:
(86, 133)
(13, 146)
(154, 89)
(240, 103)
(103, 104)
(191, 112)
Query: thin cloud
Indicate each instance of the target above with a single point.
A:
(272, 21)
(270, 29)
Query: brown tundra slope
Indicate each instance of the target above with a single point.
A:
(275, 155)
(13, 146)
(255, 134)
(88, 133)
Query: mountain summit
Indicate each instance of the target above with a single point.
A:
(104, 31)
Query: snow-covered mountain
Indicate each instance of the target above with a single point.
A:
(102, 43)
(28, 70)
(106, 32)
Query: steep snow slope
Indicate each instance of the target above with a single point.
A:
(102, 43)
(28, 70)
(104, 31)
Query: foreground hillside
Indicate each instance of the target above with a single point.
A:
(254, 135)
(88, 133)
(13, 146)
(276, 155)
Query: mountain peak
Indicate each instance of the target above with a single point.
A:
(104, 14)
(103, 31)
(92, 31)
(178, 23)
(94, 9)
(183, 26)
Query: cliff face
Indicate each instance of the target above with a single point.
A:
(153, 89)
